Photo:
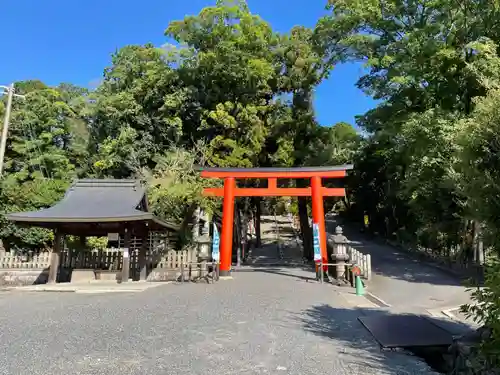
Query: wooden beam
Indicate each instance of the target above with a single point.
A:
(272, 183)
(274, 192)
(263, 174)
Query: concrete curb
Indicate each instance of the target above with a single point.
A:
(358, 301)
(449, 313)
(378, 299)
(107, 291)
(88, 291)
(91, 288)
(445, 312)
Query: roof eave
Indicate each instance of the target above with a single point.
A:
(23, 219)
(166, 224)
(53, 219)
(344, 167)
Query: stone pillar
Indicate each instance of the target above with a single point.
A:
(2, 249)
(55, 257)
(205, 229)
(339, 254)
(203, 255)
(143, 271)
(126, 257)
(196, 224)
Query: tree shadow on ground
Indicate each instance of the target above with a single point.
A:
(342, 325)
(389, 262)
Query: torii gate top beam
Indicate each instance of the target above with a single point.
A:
(298, 172)
(272, 175)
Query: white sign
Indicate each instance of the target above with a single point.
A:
(215, 245)
(316, 246)
(113, 236)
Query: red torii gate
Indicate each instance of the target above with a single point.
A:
(317, 191)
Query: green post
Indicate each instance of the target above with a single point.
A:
(360, 290)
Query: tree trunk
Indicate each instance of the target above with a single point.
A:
(238, 235)
(478, 243)
(188, 219)
(258, 237)
(244, 232)
(347, 203)
(305, 228)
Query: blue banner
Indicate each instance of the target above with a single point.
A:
(317, 249)
(215, 245)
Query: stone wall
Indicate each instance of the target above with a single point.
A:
(23, 277)
(464, 354)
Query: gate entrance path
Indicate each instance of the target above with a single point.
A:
(259, 323)
(280, 244)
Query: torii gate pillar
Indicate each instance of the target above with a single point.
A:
(226, 243)
(318, 215)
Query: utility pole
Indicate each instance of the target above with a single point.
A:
(5, 130)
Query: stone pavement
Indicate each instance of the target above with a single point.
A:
(265, 321)
(98, 286)
(406, 284)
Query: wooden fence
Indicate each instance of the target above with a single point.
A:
(107, 259)
(107, 263)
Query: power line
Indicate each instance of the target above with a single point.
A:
(10, 91)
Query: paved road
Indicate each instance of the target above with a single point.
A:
(407, 284)
(262, 322)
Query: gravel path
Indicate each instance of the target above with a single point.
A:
(267, 321)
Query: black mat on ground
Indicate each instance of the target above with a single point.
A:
(404, 331)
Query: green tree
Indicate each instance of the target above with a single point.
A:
(139, 100)
(41, 159)
(233, 76)
(418, 57)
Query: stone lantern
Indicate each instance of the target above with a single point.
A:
(203, 243)
(340, 255)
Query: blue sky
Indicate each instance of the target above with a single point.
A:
(72, 40)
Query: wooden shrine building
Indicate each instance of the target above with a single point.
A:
(93, 207)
